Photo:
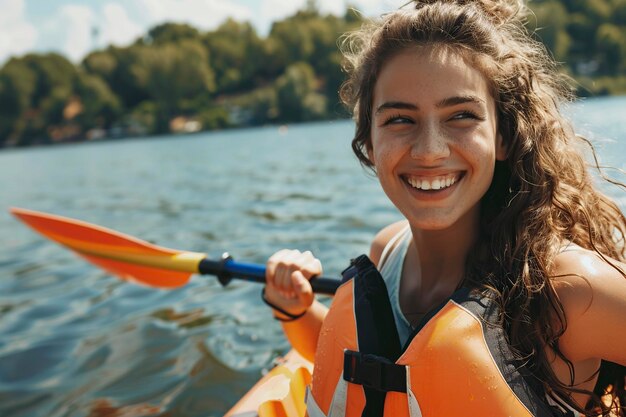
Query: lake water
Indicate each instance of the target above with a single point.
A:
(76, 341)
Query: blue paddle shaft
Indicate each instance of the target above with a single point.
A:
(227, 269)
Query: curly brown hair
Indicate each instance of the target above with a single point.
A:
(540, 197)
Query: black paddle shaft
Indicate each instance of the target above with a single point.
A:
(226, 269)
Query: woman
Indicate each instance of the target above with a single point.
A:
(503, 291)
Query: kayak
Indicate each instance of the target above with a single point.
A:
(279, 393)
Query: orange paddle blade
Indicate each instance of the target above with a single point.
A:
(125, 256)
(146, 275)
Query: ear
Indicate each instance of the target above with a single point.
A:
(501, 149)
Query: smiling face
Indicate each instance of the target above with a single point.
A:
(434, 139)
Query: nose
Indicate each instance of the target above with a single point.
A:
(430, 144)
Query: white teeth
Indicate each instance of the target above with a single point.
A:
(433, 184)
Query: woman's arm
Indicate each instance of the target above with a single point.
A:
(287, 274)
(303, 333)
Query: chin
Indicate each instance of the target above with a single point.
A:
(431, 224)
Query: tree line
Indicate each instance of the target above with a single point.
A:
(177, 78)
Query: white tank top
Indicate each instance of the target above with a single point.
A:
(390, 267)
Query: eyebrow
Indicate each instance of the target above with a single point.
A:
(401, 105)
(446, 102)
(453, 101)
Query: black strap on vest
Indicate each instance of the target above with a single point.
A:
(373, 372)
(377, 336)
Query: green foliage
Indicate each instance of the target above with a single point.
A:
(146, 114)
(53, 73)
(171, 33)
(101, 107)
(34, 91)
(52, 106)
(619, 12)
(597, 10)
(552, 18)
(17, 83)
(612, 45)
(293, 41)
(601, 86)
(296, 96)
(115, 66)
(309, 37)
(237, 56)
(582, 31)
(101, 63)
(214, 118)
(588, 36)
(171, 73)
(258, 107)
(18, 87)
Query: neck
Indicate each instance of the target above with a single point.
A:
(442, 253)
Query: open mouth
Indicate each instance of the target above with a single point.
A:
(433, 184)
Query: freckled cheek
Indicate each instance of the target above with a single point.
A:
(390, 146)
(385, 158)
(477, 148)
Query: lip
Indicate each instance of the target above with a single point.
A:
(432, 195)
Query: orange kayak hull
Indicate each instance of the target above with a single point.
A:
(279, 393)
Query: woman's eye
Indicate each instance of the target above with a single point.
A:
(393, 120)
(467, 115)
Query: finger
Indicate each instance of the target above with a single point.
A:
(309, 265)
(284, 263)
(282, 279)
(278, 267)
(303, 289)
(272, 264)
(312, 268)
(291, 261)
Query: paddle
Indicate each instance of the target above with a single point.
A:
(142, 262)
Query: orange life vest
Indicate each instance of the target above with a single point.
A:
(456, 363)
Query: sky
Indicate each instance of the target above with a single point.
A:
(75, 27)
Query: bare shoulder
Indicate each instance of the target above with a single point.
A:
(592, 291)
(383, 237)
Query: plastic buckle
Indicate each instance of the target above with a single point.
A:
(373, 372)
(370, 372)
(362, 369)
